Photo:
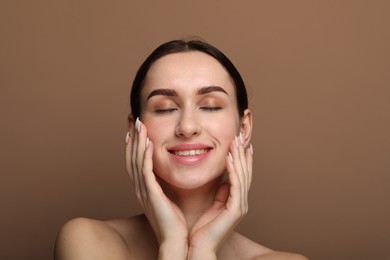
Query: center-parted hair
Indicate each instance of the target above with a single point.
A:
(178, 46)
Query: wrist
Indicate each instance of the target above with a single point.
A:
(201, 254)
(173, 250)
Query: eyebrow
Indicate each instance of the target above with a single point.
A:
(172, 93)
(162, 92)
(209, 89)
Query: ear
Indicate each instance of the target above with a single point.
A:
(246, 126)
(130, 124)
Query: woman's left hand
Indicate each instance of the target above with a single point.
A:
(229, 207)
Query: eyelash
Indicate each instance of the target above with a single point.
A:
(163, 111)
(211, 108)
(170, 110)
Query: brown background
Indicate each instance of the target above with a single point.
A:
(318, 78)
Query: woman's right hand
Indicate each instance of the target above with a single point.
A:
(165, 217)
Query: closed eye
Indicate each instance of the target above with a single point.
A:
(166, 110)
(211, 108)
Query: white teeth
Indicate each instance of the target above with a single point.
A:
(190, 152)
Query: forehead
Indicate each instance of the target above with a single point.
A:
(192, 69)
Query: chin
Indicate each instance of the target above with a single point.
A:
(190, 182)
(191, 177)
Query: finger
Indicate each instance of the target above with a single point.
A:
(240, 168)
(152, 187)
(134, 163)
(246, 162)
(237, 159)
(235, 183)
(233, 177)
(128, 155)
(246, 165)
(249, 161)
(141, 149)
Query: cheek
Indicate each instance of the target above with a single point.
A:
(224, 130)
(158, 129)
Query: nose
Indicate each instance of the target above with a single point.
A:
(188, 124)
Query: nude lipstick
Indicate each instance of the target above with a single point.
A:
(189, 153)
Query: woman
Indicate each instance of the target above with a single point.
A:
(189, 158)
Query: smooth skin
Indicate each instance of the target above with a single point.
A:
(208, 233)
(191, 204)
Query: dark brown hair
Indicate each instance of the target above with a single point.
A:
(178, 46)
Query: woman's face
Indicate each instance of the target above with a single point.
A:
(188, 105)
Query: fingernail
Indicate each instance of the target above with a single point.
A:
(251, 148)
(127, 137)
(147, 142)
(237, 142)
(242, 137)
(137, 125)
(230, 157)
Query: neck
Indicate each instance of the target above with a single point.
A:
(192, 202)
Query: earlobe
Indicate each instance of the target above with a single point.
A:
(246, 126)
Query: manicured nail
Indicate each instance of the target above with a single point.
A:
(147, 142)
(242, 137)
(137, 125)
(237, 142)
(251, 148)
(127, 137)
(230, 157)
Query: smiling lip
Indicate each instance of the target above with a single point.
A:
(189, 153)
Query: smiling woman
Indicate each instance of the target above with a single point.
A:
(189, 158)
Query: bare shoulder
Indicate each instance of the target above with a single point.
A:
(132, 228)
(248, 249)
(276, 255)
(82, 238)
(126, 238)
